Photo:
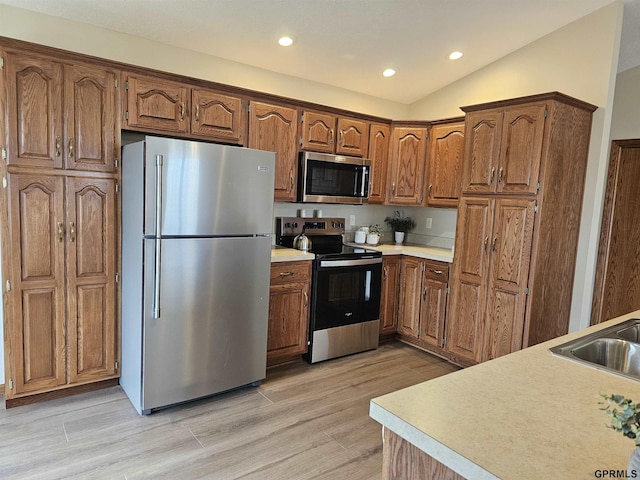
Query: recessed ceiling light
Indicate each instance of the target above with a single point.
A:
(455, 55)
(389, 72)
(285, 41)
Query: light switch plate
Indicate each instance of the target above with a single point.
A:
(429, 222)
(352, 220)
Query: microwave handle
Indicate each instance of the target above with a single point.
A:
(364, 183)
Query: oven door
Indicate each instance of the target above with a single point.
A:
(346, 292)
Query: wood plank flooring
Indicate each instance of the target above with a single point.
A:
(304, 422)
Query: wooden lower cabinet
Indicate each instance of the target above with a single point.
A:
(62, 327)
(289, 295)
(423, 302)
(389, 293)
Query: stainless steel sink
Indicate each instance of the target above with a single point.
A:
(615, 349)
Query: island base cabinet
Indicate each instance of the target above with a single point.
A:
(401, 460)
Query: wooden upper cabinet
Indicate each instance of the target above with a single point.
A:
(521, 149)
(274, 128)
(155, 104)
(90, 118)
(326, 133)
(378, 154)
(503, 149)
(61, 115)
(37, 328)
(318, 132)
(407, 163)
(353, 137)
(34, 103)
(483, 131)
(91, 264)
(444, 171)
(218, 116)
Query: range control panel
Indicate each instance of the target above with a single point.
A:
(292, 226)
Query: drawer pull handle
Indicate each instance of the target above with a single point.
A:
(70, 147)
(181, 111)
(493, 173)
(500, 174)
(60, 231)
(486, 242)
(72, 231)
(286, 274)
(424, 294)
(437, 272)
(197, 113)
(493, 244)
(306, 298)
(58, 145)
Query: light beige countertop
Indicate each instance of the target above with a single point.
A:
(284, 254)
(527, 415)
(420, 251)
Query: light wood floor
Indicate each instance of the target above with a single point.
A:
(303, 422)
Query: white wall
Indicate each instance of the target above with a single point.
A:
(580, 60)
(625, 123)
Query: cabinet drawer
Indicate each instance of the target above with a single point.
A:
(290, 272)
(436, 270)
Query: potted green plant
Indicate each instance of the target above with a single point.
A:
(400, 225)
(373, 237)
(625, 418)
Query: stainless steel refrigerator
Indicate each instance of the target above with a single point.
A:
(196, 247)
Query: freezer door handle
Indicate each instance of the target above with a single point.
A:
(158, 260)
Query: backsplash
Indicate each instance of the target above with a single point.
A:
(441, 234)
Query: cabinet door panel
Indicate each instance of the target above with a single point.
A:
(408, 149)
(218, 116)
(378, 154)
(504, 329)
(411, 287)
(389, 295)
(483, 131)
(274, 128)
(433, 311)
(91, 278)
(35, 111)
(156, 104)
(466, 320)
(446, 150)
(472, 239)
(521, 150)
(288, 320)
(318, 132)
(353, 137)
(90, 112)
(510, 259)
(37, 326)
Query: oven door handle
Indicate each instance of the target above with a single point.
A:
(350, 263)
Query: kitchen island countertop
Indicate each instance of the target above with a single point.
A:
(527, 415)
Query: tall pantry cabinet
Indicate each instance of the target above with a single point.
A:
(59, 239)
(518, 223)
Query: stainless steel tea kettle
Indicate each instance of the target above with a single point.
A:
(302, 242)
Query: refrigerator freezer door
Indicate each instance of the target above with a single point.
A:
(207, 189)
(211, 334)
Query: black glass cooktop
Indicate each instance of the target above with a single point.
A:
(329, 246)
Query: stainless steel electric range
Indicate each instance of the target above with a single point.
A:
(345, 288)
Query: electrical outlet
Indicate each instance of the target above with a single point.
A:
(429, 222)
(352, 220)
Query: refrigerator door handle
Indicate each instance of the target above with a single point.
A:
(156, 280)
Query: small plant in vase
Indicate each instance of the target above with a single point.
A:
(373, 237)
(625, 418)
(400, 225)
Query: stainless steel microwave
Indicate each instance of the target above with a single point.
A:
(324, 178)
